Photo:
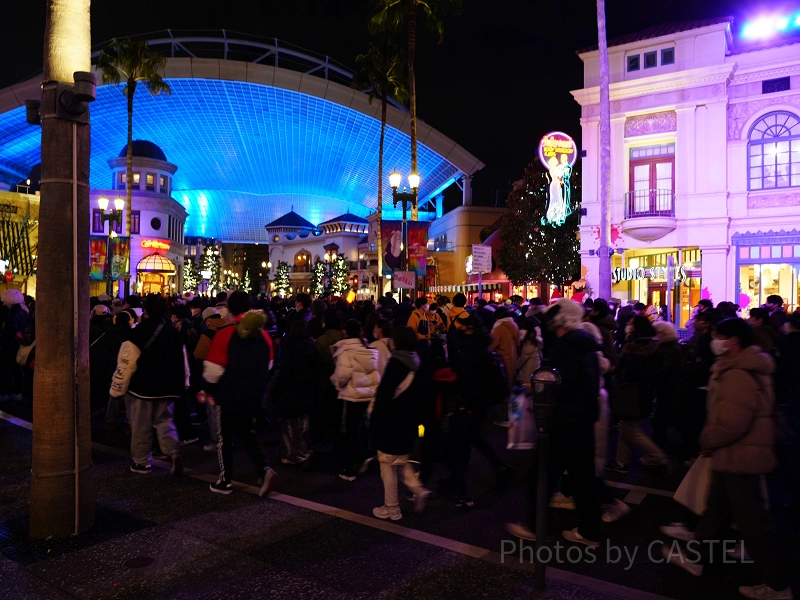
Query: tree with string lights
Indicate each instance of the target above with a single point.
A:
(191, 276)
(317, 285)
(534, 250)
(339, 283)
(210, 262)
(282, 279)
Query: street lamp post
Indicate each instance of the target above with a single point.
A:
(112, 216)
(406, 198)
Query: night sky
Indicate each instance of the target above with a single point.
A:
(498, 82)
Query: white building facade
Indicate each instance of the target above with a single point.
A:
(705, 172)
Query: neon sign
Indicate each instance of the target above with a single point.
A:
(155, 244)
(558, 152)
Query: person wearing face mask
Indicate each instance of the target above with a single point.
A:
(420, 324)
(739, 436)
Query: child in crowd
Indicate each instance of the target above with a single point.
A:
(394, 423)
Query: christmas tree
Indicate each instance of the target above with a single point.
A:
(339, 283)
(282, 279)
(533, 251)
(210, 262)
(191, 276)
(246, 282)
(317, 275)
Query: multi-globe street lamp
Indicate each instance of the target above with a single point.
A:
(406, 198)
(112, 216)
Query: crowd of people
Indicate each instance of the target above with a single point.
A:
(367, 378)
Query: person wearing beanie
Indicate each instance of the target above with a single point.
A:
(212, 322)
(573, 353)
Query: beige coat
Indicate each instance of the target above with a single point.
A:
(505, 340)
(740, 428)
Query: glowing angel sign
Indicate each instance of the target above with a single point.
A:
(558, 152)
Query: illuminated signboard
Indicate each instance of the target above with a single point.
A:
(674, 273)
(558, 152)
(155, 244)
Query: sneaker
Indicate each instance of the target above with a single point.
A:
(559, 500)
(572, 535)
(177, 465)
(679, 559)
(365, 465)
(679, 531)
(464, 502)
(287, 461)
(188, 441)
(764, 592)
(615, 466)
(220, 487)
(210, 448)
(141, 469)
(738, 552)
(347, 474)
(385, 512)
(266, 482)
(520, 530)
(411, 496)
(420, 500)
(616, 511)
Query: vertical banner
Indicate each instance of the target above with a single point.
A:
(97, 257)
(391, 242)
(120, 257)
(417, 247)
(430, 277)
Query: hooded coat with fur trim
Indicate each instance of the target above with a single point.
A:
(740, 428)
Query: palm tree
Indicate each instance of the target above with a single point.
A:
(604, 269)
(381, 73)
(131, 62)
(394, 15)
(62, 493)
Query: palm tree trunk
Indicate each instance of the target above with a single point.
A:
(412, 93)
(62, 492)
(380, 196)
(604, 268)
(130, 91)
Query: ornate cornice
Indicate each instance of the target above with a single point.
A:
(770, 237)
(759, 74)
(658, 122)
(739, 113)
(719, 74)
(773, 200)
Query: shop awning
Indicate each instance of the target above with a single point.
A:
(155, 263)
(464, 288)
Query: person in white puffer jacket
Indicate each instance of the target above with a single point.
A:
(356, 380)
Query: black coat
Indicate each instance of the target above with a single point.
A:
(160, 370)
(574, 356)
(637, 365)
(674, 401)
(296, 387)
(787, 377)
(394, 421)
(473, 368)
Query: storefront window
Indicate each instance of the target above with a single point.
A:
(757, 282)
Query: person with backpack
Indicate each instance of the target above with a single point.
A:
(356, 380)
(455, 323)
(235, 375)
(153, 371)
(393, 424)
(739, 436)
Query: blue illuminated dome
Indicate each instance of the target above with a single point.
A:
(144, 149)
(250, 140)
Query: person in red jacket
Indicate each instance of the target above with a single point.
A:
(235, 375)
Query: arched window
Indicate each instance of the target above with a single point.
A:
(302, 262)
(774, 152)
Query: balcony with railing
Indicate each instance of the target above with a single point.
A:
(649, 214)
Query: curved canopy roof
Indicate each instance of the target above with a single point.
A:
(250, 141)
(155, 263)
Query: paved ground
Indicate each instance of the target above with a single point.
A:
(214, 544)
